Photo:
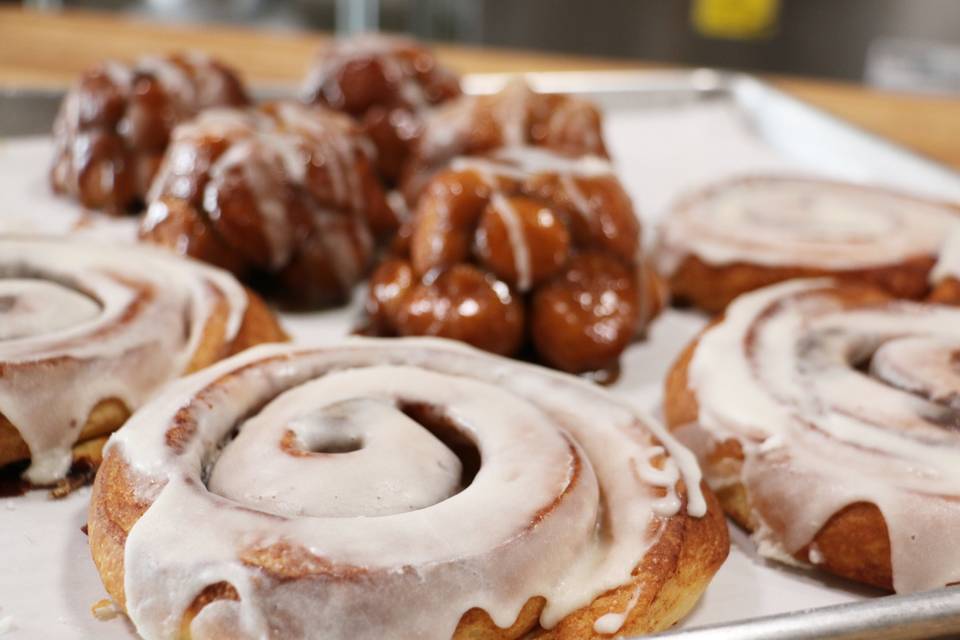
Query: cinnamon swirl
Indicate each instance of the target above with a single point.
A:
(115, 123)
(284, 196)
(826, 417)
(750, 232)
(522, 250)
(398, 487)
(88, 333)
(388, 84)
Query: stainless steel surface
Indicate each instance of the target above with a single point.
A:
(934, 614)
(27, 111)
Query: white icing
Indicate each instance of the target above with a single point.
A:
(26, 305)
(610, 623)
(814, 555)
(522, 162)
(778, 375)
(511, 112)
(84, 323)
(553, 449)
(781, 221)
(948, 265)
(518, 241)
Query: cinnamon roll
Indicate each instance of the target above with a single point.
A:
(750, 232)
(398, 487)
(284, 196)
(522, 250)
(825, 416)
(516, 116)
(89, 332)
(115, 123)
(388, 84)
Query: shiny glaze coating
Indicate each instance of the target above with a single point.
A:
(516, 116)
(555, 236)
(284, 196)
(387, 83)
(586, 316)
(115, 123)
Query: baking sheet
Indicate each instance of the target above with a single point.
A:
(667, 133)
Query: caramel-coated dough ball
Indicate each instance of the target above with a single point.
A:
(463, 303)
(585, 317)
(522, 241)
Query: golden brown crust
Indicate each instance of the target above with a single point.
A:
(947, 291)
(106, 417)
(671, 577)
(259, 325)
(854, 542)
(713, 287)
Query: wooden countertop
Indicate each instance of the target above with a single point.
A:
(49, 49)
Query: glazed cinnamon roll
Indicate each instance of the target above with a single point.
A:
(825, 417)
(516, 116)
(524, 250)
(750, 232)
(388, 84)
(115, 123)
(399, 487)
(89, 332)
(284, 196)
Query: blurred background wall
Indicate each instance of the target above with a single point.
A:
(910, 44)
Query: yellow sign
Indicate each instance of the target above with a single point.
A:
(735, 19)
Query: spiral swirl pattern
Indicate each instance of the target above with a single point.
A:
(837, 396)
(803, 222)
(336, 477)
(750, 232)
(83, 323)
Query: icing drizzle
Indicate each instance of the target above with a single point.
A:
(520, 164)
(553, 450)
(275, 151)
(83, 323)
(783, 374)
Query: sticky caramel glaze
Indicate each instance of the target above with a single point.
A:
(115, 122)
(672, 566)
(553, 238)
(284, 196)
(854, 541)
(516, 116)
(746, 233)
(388, 83)
(70, 314)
